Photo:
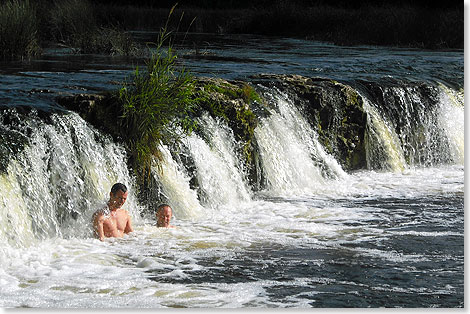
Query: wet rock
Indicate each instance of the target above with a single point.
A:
(13, 142)
(334, 109)
(235, 102)
(17, 124)
(100, 110)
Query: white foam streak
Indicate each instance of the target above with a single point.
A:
(451, 117)
(291, 155)
(176, 187)
(382, 142)
(219, 174)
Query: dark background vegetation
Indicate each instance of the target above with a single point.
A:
(102, 26)
(236, 4)
(419, 23)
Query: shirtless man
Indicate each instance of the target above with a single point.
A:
(113, 221)
(163, 215)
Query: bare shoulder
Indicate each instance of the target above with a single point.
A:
(100, 214)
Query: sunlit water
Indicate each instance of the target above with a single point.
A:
(375, 239)
(312, 237)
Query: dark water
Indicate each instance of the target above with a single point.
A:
(413, 257)
(36, 82)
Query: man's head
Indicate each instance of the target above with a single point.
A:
(164, 214)
(117, 196)
(118, 187)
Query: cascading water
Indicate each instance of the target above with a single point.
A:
(176, 187)
(293, 160)
(383, 149)
(415, 128)
(416, 116)
(221, 178)
(63, 175)
(451, 120)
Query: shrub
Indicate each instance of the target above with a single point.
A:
(18, 30)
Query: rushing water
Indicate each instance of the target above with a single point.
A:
(313, 236)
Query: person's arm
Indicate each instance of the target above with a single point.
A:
(98, 226)
(128, 224)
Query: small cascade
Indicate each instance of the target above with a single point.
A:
(426, 122)
(62, 176)
(16, 224)
(219, 174)
(293, 160)
(451, 115)
(176, 188)
(383, 149)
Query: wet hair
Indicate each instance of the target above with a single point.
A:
(118, 187)
(161, 206)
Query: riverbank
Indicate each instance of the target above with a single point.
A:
(98, 27)
(405, 25)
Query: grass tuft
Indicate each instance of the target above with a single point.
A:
(157, 106)
(18, 30)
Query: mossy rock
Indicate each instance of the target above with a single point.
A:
(230, 101)
(334, 109)
(233, 102)
(100, 110)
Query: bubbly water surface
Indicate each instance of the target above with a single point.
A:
(375, 239)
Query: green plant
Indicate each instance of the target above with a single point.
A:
(18, 30)
(232, 103)
(157, 106)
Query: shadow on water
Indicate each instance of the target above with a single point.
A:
(411, 260)
(337, 277)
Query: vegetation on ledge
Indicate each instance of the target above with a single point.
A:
(232, 102)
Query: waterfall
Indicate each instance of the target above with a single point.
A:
(16, 225)
(293, 160)
(383, 149)
(221, 179)
(63, 175)
(176, 188)
(414, 126)
(219, 172)
(64, 172)
(451, 114)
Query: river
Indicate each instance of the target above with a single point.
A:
(366, 238)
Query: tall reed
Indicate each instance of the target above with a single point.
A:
(157, 105)
(18, 30)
